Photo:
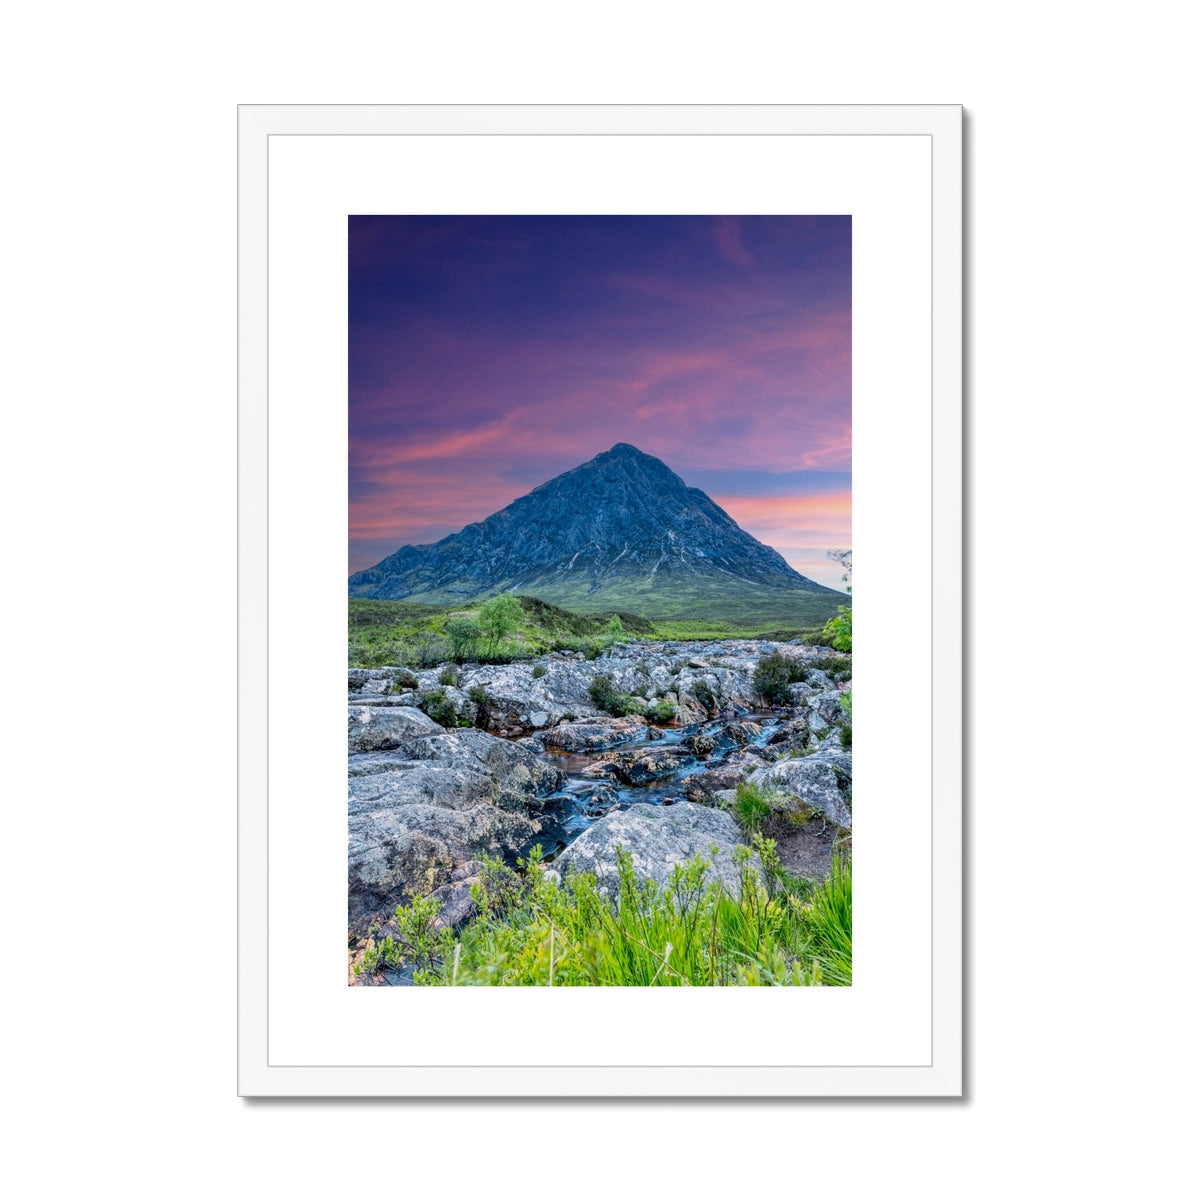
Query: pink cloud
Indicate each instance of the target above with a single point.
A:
(729, 241)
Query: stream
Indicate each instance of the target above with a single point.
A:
(585, 799)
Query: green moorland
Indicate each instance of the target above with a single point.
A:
(401, 633)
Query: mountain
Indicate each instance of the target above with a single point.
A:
(622, 531)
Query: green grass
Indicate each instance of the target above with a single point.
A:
(399, 632)
(534, 931)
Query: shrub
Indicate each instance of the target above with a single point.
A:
(451, 676)
(464, 634)
(774, 676)
(436, 705)
(603, 692)
(838, 667)
(427, 649)
(605, 696)
(592, 651)
(661, 712)
(839, 629)
(703, 692)
(539, 671)
(614, 631)
(480, 698)
(846, 735)
(403, 681)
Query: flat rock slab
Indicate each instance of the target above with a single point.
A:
(372, 728)
(657, 837)
(579, 737)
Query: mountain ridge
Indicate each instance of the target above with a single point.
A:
(620, 530)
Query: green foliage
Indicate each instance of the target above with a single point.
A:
(439, 707)
(464, 635)
(603, 692)
(533, 930)
(539, 671)
(480, 698)
(846, 700)
(751, 809)
(661, 712)
(839, 629)
(451, 676)
(774, 676)
(419, 939)
(846, 735)
(703, 692)
(402, 681)
(605, 696)
(614, 631)
(394, 632)
(499, 617)
(829, 923)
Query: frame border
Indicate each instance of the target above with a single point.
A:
(943, 124)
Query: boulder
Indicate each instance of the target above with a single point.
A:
(579, 737)
(821, 781)
(418, 812)
(829, 706)
(375, 728)
(644, 766)
(702, 787)
(657, 837)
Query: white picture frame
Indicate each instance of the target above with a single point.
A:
(898, 170)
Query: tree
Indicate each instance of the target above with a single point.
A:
(499, 617)
(463, 634)
(840, 629)
(614, 631)
(844, 559)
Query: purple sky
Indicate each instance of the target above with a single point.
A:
(488, 354)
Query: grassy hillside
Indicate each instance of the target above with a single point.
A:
(397, 632)
(704, 598)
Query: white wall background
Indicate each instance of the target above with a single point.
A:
(118, 477)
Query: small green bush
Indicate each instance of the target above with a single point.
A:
(451, 676)
(661, 712)
(539, 671)
(436, 705)
(839, 629)
(603, 692)
(403, 681)
(774, 676)
(704, 693)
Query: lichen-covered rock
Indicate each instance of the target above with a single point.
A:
(419, 811)
(374, 728)
(821, 781)
(643, 766)
(580, 737)
(657, 838)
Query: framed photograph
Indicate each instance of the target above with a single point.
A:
(561, 431)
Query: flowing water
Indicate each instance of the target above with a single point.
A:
(584, 800)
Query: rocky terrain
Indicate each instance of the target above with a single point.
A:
(448, 765)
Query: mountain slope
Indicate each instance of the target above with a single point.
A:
(620, 531)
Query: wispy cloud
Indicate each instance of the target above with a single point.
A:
(488, 354)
